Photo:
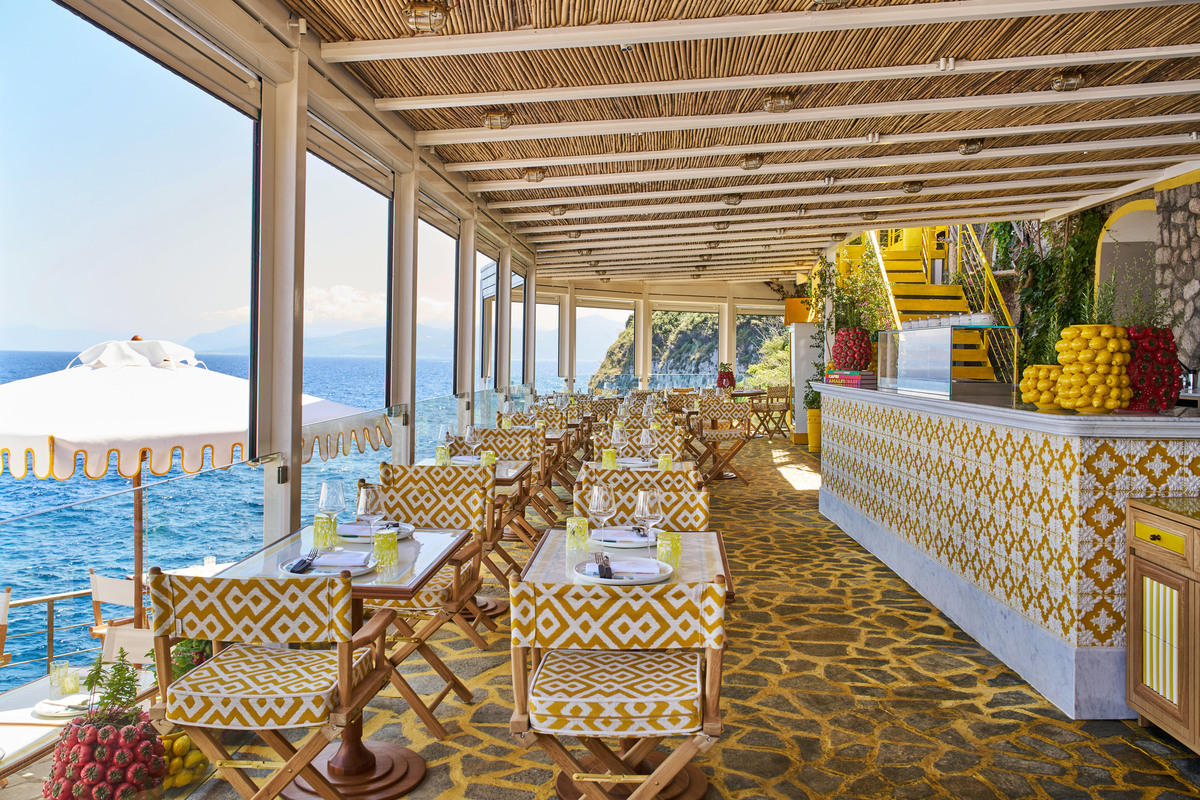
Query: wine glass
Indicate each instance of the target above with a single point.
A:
(646, 441)
(333, 498)
(648, 511)
(601, 506)
(471, 438)
(370, 506)
(443, 435)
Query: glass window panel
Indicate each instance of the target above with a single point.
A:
(548, 379)
(517, 331)
(603, 345)
(437, 260)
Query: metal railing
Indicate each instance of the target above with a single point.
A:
(978, 282)
(873, 242)
(51, 629)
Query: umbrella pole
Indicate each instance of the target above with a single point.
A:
(139, 609)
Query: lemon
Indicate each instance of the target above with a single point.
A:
(1104, 357)
(1045, 398)
(1125, 345)
(1044, 385)
(1112, 404)
(184, 777)
(1124, 381)
(1122, 333)
(1089, 331)
(1113, 380)
(1086, 356)
(168, 782)
(1126, 394)
(1095, 379)
(1079, 344)
(193, 759)
(1028, 397)
(1069, 333)
(175, 765)
(182, 745)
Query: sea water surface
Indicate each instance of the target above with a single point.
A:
(52, 532)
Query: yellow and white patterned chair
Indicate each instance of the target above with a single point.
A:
(5, 599)
(637, 664)
(520, 445)
(251, 683)
(667, 439)
(772, 411)
(684, 504)
(722, 427)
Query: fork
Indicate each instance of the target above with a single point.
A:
(304, 564)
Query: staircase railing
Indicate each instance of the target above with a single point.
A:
(872, 240)
(974, 273)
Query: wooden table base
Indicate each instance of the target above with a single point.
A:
(492, 606)
(397, 772)
(690, 783)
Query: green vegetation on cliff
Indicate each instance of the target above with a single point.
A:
(685, 342)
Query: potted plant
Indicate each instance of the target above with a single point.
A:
(725, 377)
(812, 405)
(112, 752)
(797, 300)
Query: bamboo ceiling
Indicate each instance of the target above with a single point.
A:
(630, 191)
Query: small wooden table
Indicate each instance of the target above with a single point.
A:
(364, 770)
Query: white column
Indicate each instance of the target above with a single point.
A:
(504, 320)
(642, 334)
(278, 331)
(402, 300)
(464, 313)
(566, 336)
(727, 331)
(530, 376)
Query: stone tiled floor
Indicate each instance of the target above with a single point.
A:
(841, 682)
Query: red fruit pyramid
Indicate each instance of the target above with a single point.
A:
(852, 349)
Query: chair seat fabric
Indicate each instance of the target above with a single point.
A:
(255, 687)
(617, 693)
(724, 436)
(436, 592)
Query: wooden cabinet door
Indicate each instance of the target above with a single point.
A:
(1159, 669)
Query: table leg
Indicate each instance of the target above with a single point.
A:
(363, 770)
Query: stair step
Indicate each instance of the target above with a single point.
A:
(973, 373)
(933, 306)
(929, 290)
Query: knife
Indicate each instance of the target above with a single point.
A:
(301, 566)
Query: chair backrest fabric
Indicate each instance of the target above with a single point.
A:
(438, 497)
(666, 440)
(684, 506)
(263, 610)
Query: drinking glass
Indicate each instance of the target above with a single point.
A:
(58, 671)
(670, 548)
(385, 547)
(370, 506)
(609, 459)
(331, 502)
(601, 506)
(444, 435)
(471, 438)
(577, 533)
(646, 441)
(648, 512)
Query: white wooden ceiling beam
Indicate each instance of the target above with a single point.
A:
(761, 246)
(913, 107)
(875, 140)
(1089, 167)
(727, 27)
(857, 162)
(763, 202)
(787, 79)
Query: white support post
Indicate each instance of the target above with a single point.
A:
(402, 333)
(642, 333)
(464, 315)
(727, 331)
(278, 330)
(504, 320)
(566, 336)
(530, 376)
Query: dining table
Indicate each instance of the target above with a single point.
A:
(363, 770)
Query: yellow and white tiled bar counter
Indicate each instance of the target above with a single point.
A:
(1010, 522)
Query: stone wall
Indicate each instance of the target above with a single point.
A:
(1178, 264)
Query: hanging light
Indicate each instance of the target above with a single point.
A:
(593, 263)
(712, 245)
(869, 215)
(497, 119)
(1068, 80)
(800, 211)
(701, 267)
(572, 234)
(706, 256)
(912, 187)
(427, 16)
(779, 102)
(732, 199)
(605, 280)
(751, 162)
(535, 174)
(557, 211)
(587, 251)
(970, 147)
(721, 226)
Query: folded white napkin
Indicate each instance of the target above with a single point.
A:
(624, 568)
(619, 535)
(354, 529)
(327, 560)
(465, 460)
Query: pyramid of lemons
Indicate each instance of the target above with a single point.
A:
(1093, 359)
(1039, 384)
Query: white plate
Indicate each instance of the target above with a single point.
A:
(664, 572)
(285, 567)
(58, 708)
(465, 461)
(598, 537)
(356, 534)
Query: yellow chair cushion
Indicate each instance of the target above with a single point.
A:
(617, 693)
(254, 687)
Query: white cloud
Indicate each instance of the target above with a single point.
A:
(436, 313)
(230, 316)
(344, 304)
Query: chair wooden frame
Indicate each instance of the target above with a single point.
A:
(352, 697)
(5, 599)
(772, 410)
(110, 591)
(625, 769)
(712, 437)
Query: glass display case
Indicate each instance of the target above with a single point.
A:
(971, 363)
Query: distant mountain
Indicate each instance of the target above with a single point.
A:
(593, 335)
(31, 337)
(431, 342)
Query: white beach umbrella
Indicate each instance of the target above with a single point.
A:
(146, 401)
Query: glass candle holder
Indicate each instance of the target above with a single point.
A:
(386, 548)
(58, 671)
(670, 548)
(324, 530)
(665, 462)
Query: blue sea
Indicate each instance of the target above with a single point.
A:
(52, 531)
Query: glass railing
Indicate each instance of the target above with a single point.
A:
(346, 449)
(214, 514)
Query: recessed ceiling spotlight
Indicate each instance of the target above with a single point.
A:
(1068, 80)
(701, 267)
(535, 175)
(587, 251)
(557, 211)
(970, 147)
(593, 263)
(605, 280)
(912, 187)
(721, 226)
(829, 180)
(732, 199)
(779, 102)
(781, 231)
(800, 211)
(751, 162)
(601, 272)
(497, 119)
(573, 234)
(625, 48)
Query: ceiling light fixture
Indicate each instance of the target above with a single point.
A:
(535, 175)
(869, 215)
(970, 147)
(751, 162)
(427, 16)
(573, 234)
(912, 187)
(701, 267)
(1067, 80)
(732, 199)
(706, 256)
(557, 211)
(625, 48)
(829, 180)
(605, 280)
(712, 245)
(593, 264)
(800, 211)
(587, 251)
(779, 102)
(497, 119)
(721, 226)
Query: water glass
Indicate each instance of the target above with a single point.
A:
(577, 533)
(442, 456)
(540, 425)
(58, 672)
(386, 548)
(324, 530)
(670, 548)
(506, 424)
(609, 459)
(70, 682)
(488, 458)
(370, 505)
(666, 462)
